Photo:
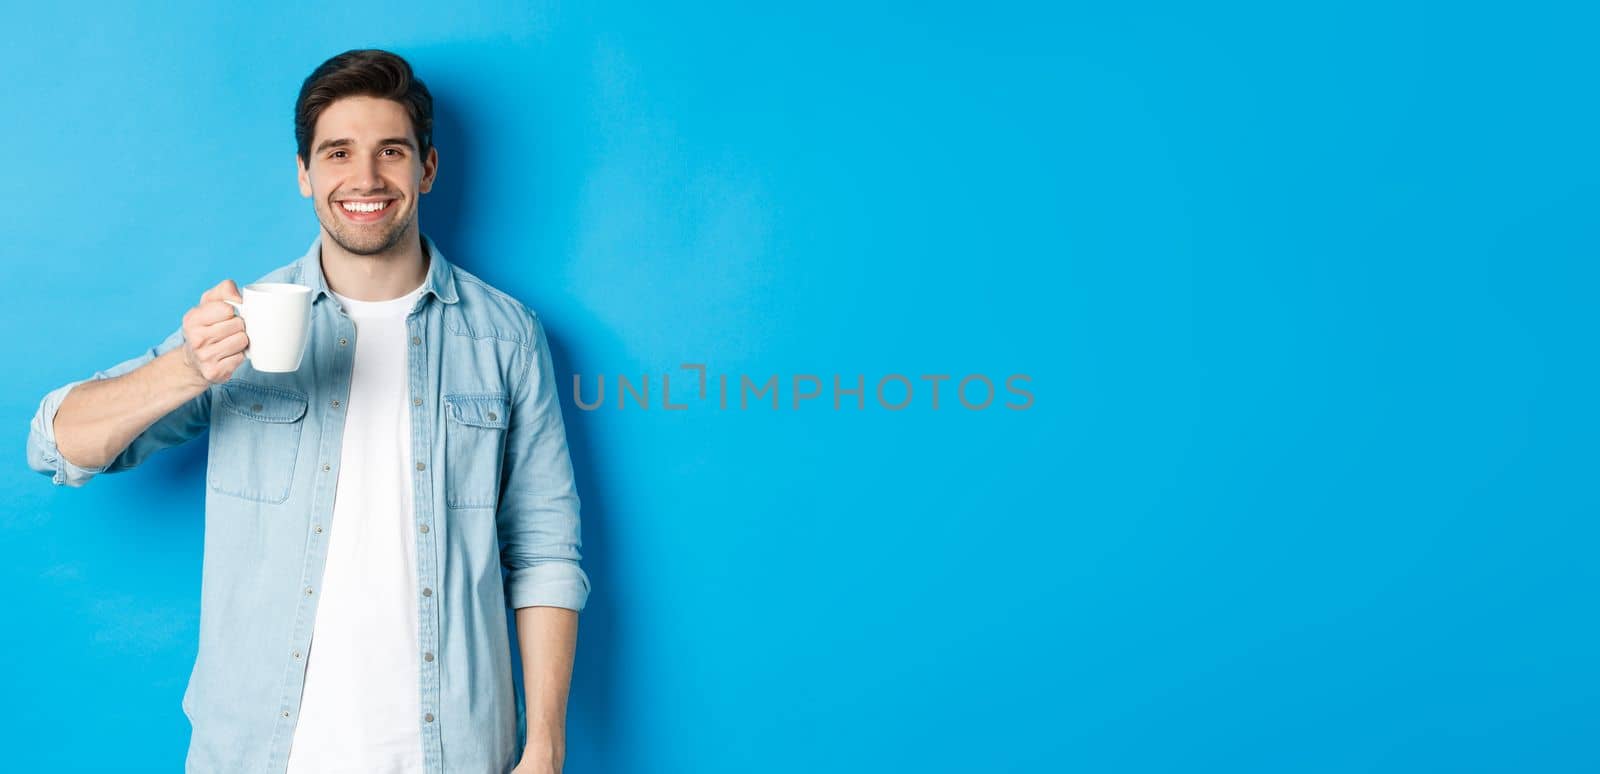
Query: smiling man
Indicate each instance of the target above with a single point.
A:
(371, 516)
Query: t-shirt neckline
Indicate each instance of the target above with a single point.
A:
(389, 307)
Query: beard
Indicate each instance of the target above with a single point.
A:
(365, 239)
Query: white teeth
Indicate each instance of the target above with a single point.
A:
(364, 207)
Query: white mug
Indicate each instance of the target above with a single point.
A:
(277, 322)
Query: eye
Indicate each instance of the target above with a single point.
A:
(335, 154)
(396, 151)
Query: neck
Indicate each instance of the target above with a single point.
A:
(377, 277)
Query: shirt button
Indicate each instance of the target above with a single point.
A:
(491, 416)
(325, 466)
(286, 713)
(427, 657)
(297, 655)
(415, 340)
(319, 529)
(427, 592)
(255, 407)
(343, 341)
(308, 591)
(424, 528)
(421, 466)
(336, 404)
(416, 401)
(428, 717)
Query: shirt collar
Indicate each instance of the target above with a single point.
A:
(441, 281)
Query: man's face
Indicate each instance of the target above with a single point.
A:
(364, 154)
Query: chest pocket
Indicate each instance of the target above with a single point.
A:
(255, 440)
(475, 434)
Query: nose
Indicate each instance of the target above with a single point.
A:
(365, 176)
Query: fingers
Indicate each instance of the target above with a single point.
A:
(211, 309)
(224, 289)
(214, 335)
(217, 359)
(210, 312)
(222, 370)
(201, 326)
(224, 347)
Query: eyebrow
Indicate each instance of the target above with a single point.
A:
(346, 141)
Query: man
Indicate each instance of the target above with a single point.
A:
(360, 509)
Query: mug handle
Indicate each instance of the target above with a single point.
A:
(238, 308)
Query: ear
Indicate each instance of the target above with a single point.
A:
(430, 168)
(305, 179)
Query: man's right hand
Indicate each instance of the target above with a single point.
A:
(213, 338)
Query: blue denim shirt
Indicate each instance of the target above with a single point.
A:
(493, 489)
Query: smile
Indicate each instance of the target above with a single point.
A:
(362, 212)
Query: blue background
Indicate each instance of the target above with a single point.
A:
(1306, 296)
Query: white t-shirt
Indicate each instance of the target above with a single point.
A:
(361, 708)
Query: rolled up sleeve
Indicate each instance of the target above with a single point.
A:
(178, 426)
(43, 456)
(537, 520)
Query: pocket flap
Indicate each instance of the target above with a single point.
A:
(261, 403)
(479, 410)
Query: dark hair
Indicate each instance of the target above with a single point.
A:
(368, 72)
